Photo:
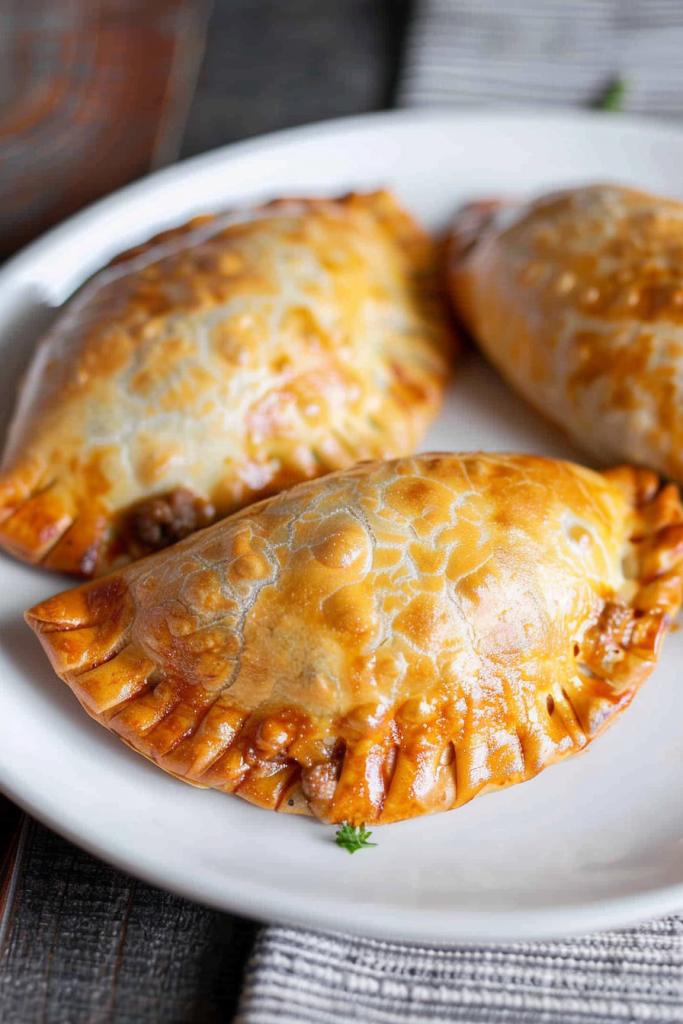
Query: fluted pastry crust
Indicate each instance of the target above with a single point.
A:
(578, 300)
(216, 364)
(385, 642)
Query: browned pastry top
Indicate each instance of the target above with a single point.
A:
(578, 300)
(385, 642)
(216, 364)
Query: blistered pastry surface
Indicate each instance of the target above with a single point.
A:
(578, 300)
(226, 359)
(385, 642)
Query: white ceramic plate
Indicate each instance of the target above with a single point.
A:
(596, 841)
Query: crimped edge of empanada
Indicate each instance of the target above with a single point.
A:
(368, 771)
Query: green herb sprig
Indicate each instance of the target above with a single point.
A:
(615, 95)
(352, 837)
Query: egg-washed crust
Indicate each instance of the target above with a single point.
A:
(578, 300)
(216, 364)
(385, 642)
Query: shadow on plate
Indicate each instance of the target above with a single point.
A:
(22, 648)
(23, 321)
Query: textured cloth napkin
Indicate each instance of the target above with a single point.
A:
(545, 52)
(302, 977)
(494, 52)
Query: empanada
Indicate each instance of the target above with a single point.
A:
(217, 364)
(578, 301)
(387, 641)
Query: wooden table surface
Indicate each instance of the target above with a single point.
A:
(79, 941)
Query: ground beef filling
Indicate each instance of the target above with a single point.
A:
(166, 518)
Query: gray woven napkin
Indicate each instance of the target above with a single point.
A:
(302, 977)
(545, 52)
(494, 52)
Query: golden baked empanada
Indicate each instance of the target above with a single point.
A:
(219, 363)
(384, 642)
(578, 300)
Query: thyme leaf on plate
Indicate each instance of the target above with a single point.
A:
(352, 837)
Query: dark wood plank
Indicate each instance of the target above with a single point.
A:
(11, 821)
(87, 943)
(94, 93)
(271, 65)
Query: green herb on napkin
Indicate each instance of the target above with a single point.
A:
(615, 95)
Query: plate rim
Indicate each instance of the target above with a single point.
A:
(616, 122)
(264, 904)
(260, 901)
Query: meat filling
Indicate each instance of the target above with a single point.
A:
(166, 518)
